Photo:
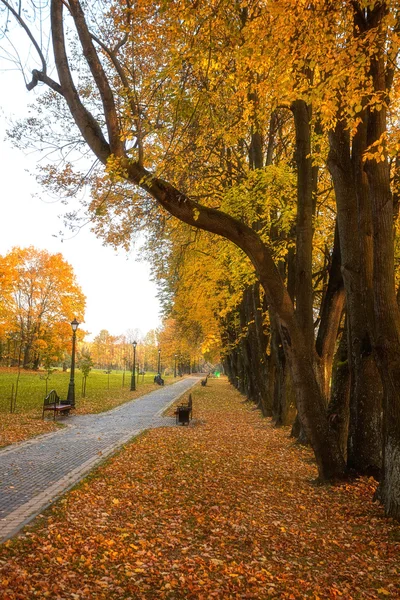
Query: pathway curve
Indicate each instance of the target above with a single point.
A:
(35, 472)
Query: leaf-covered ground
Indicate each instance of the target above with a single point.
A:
(18, 427)
(225, 508)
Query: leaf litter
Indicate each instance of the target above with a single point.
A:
(225, 508)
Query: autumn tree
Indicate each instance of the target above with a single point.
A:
(104, 349)
(124, 160)
(148, 350)
(39, 298)
(175, 102)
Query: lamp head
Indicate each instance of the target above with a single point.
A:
(74, 325)
(134, 344)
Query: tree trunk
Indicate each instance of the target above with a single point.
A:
(284, 404)
(261, 342)
(339, 405)
(365, 409)
(255, 349)
(304, 221)
(387, 314)
(27, 356)
(332, 306)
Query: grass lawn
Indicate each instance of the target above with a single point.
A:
(226, 508)
(103, 392)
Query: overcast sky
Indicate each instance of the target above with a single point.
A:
(118, 289)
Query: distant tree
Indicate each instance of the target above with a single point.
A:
(103, 347)
(39, 297)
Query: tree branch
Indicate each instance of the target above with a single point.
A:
(87, 124)
(210, 219)
(107, 96)
(40, 76)
(125, 82)
(20, 20)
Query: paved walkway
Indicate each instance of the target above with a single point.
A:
(34, 473)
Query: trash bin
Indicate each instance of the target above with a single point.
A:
(183, 414)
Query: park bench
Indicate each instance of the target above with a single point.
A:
(184, 412)
(158, 379)
(204, 381)
(52, 402)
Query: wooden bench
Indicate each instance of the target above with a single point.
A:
(52, 402)
(184, 412)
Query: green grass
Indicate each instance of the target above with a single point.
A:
(102, 391)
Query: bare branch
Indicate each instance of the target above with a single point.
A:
(19, 19)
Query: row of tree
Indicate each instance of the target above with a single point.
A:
(158, 348)
(238, 118)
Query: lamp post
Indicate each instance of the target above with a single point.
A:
(159, 361)
(71, 387)
(133, 382)
(175, 356)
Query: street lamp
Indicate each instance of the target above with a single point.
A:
(71, 387)
(133, 382)
(175, 365)
(159, 361)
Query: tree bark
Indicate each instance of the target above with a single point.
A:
(386, 310)
(364, 454)
(304, 221)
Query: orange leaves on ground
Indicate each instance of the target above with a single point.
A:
(224, 509)
(19, 427)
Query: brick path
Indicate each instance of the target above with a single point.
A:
(34, 473)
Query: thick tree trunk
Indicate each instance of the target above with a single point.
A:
(304, 221)
(307, 178)
(283, 395)
(284, 403)
(387, 342)
(387, 314)
(365, 408)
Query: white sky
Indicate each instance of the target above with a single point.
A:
(119, 293)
